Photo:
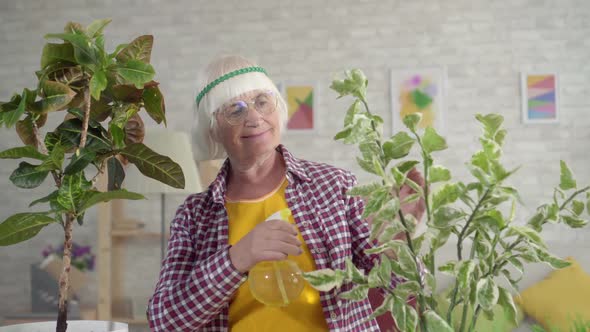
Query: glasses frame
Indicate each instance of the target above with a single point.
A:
(249, 104)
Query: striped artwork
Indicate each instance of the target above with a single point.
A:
(540, 98)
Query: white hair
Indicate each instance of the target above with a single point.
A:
(204, 123)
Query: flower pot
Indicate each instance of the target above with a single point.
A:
(73, 326)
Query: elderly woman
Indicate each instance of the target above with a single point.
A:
(217, 236)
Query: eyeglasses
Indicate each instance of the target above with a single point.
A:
(236, 111)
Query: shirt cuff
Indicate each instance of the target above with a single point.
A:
(222, 272)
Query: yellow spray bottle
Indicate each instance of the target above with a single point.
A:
(276, 283)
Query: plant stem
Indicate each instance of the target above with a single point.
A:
(86, 117)
(64, 278)
(475, 315)
(466, 305)
(573, 196)
(460, 250)
(421, 301)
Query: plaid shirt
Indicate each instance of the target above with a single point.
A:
(197, 279)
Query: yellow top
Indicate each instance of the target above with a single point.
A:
(245, 312)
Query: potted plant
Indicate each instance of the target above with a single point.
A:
(102, 95)
(472, 212)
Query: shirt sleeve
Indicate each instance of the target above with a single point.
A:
(190, 293)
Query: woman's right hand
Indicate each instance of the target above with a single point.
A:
(271, 240)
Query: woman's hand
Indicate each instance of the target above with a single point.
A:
(271, 240)
(417, 207)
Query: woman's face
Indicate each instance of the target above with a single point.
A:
(255, 132)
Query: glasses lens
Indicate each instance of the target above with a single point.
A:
(265, 103)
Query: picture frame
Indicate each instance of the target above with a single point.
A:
(418, 90)
(302, 109)
(539, 97)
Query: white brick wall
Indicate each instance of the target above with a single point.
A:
(484, 45)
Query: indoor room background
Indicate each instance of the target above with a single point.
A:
(483, 47)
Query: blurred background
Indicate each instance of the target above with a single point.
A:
(480, 47)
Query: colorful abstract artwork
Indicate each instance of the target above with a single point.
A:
(539, 98)
(300, 102)
(417, 91)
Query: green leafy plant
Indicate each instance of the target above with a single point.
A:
(472, 212)
(80, 77)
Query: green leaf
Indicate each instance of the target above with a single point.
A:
(432, 141)
(355, 84)
(70, 132)
(554, 261)
(96, 197)
(412, 120)
(139, 49)
(353, 273)
(13, 110)
(405, 166)
(566, 181)
(491, 220)
(27, 176)
(411, 319)
(22, 152)
(398, 146)
(154, 104)
(98, 83)
(435, 323)
(45, 199)
(526, 232)
(343, 134)
(588, 202)
(446, 216)
(487, 293)
(95, 28)
(136, 72)
(22, 226)
(577, 207)
(465, 271)
(71, 191)
(358, 293)
(366, 165)
(448, 268)
(406, 289)
(55, 159)
(364, 190)
(116, 174)
(84, 50)
(369, 148)
(383, 308)
(324, 280)
(574, 222)
(154, 165)
(377, 199)
(447, 194)
(491, 124)
(56, 96)
(80, 159)
(352, 110)
(406, 260)
(438, 173)
(55, 53)
(118, 135)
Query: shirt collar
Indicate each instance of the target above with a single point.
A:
(294, 166)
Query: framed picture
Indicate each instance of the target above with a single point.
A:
(419, 90)
(540, 97)
(301, 101)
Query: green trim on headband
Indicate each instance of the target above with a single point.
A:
(226, 77)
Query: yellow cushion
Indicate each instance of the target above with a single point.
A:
(561, 300)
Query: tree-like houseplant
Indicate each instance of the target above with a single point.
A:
(480, 212)
(80, 77)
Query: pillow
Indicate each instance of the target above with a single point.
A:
(560, 300)
(500, 323)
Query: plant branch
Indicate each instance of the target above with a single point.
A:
(86, 117)
(573, 196)
(421, 300)
(460, 251)
(64, 278)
